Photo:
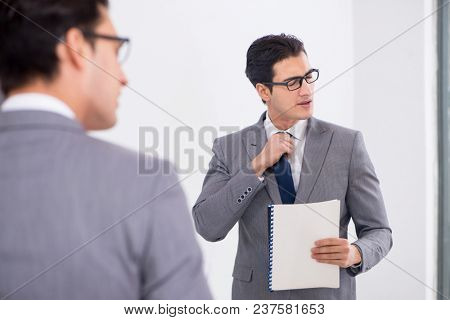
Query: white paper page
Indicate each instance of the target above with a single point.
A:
(295, 229)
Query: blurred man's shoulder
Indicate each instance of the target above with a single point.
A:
(125, 162)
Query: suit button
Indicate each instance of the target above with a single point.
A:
(239, 200)
(249, 189)
(242, 197)
(246, 192)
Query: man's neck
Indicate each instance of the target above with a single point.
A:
(279, 122)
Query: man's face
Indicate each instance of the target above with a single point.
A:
(291, 105)
(105, 78)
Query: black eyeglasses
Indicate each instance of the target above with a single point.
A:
(124, 43)
(296, 82)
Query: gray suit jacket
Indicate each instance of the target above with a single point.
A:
(80, 203)
(335, 166)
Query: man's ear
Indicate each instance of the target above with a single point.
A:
(264, 92)
(74, 49)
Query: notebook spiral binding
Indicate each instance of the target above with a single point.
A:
(270, 216)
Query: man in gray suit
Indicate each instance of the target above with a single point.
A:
(77, 219)
(287, 157)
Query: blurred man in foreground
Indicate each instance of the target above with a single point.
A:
(77, 220)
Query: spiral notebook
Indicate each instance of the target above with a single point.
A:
(293, 228)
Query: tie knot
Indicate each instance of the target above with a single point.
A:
(286, 132)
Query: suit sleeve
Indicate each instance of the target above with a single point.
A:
(224, 197)
(171, 258)
(366, 206)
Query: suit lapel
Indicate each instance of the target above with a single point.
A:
(318, 140)
(272, 187)
(254, 141)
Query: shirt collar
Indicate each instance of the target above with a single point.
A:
(37, 102)
(298, 130)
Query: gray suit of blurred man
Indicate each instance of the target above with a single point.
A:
(77, 219)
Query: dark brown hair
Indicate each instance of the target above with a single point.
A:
(30, 31)
(268, 50)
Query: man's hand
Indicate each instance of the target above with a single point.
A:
(336, 251)
(276, 146)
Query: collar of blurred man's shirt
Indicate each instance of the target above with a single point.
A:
(36, 102)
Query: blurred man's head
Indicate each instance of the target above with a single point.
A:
(278, 67)
(67, 48)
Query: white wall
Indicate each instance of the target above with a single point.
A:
(395, 108)
(189, 58)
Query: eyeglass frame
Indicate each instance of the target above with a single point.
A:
(122, 40)
(285, 83)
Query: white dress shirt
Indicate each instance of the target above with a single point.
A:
(36, 102)
(298, 131)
